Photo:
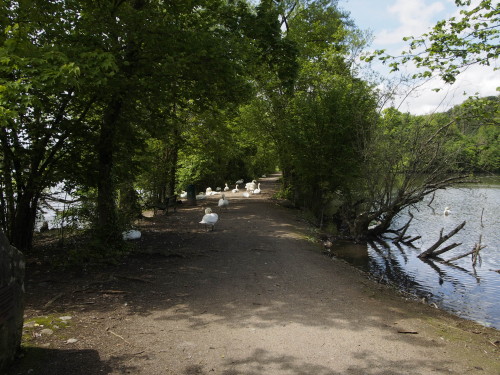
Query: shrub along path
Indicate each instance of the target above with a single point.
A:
(255, 296)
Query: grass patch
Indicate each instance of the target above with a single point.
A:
(35, 328)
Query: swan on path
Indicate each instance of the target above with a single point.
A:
(236, 190)
(209, 219)
(240, 181)
(246, 194)
(257, 191)
(183, 194)
(223, 202)
(251, 186)
(201, 196)
(226, 188)
(132, 234)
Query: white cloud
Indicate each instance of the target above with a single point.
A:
(415, 18)
(476, 80)
(391, 20)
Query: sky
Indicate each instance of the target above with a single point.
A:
(390, 21)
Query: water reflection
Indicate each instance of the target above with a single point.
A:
(469, 292)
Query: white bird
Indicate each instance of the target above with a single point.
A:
(246, 194)
(226, 188)
(257, 191)
(210, 218)
(235, 190)
(446, 211)
(183, 194)
(251, 186)
(223, 202)
(208, 191)
(201, 196)
(240, 181)
(132, 234)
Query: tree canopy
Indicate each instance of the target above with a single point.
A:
(127, 102)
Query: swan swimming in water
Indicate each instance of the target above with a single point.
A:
(446, 211)
(210, 218)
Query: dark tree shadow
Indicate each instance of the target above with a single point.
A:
(41, 361)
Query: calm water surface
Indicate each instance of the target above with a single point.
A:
(469, 292)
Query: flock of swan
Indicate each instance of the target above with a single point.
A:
(210, 218)
(250, 188)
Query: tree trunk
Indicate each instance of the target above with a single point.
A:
(23, 225)
(106, 206)
(174, 157)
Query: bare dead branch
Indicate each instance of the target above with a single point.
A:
(463, 255)
(477, 247)
(411, 240)
(404, 229)
(430, 251)
(445, 249)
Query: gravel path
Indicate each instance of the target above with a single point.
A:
(255, 296)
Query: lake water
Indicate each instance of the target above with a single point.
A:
(470, 292)
(49, 215)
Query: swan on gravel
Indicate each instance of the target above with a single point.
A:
(223, 202)
(209, 219)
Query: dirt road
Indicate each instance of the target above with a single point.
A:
(255, 296)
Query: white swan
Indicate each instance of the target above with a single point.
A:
(239, 182)
(246, 194)
(251, 186)
(257, 191)
(132, 234)
(236, 190)
(183, 194)
(210, 218)
(226, 188)
(446, 211)
(223, 202)
(208, 191)
(201, 196)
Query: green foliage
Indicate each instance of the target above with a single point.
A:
(117, 98)
(476, 136)
(84, 84)
(318, 128)
(222, 150)
(454, 44)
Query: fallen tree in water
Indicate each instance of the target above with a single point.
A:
(433, 251)
(475, 253)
